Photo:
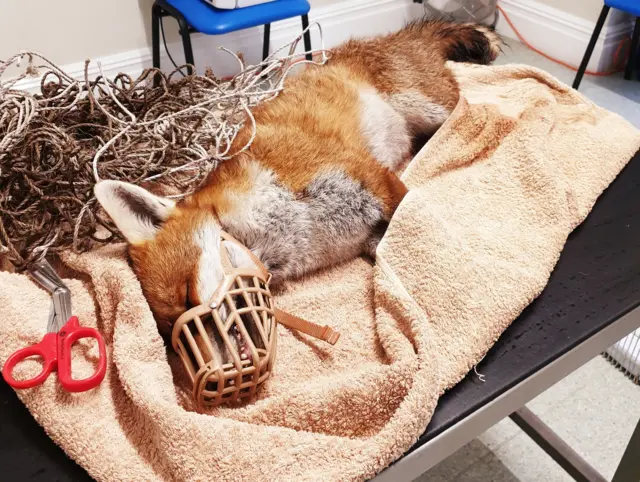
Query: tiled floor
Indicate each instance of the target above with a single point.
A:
(595, 409)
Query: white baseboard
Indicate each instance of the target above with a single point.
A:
(565, 36)
(339, 21)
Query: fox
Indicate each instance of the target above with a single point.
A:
(320, 181)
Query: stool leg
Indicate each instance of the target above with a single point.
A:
(307, 37)
(633, 51)
(186, 43)
(156, 12)
(591, 46)
(265, 42)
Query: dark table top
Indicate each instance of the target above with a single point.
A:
(596, 281)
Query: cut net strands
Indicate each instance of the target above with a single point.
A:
(55, 145)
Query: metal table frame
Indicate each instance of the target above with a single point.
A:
(512, 404)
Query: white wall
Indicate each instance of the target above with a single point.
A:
(587, 9)
(69, 31)
(121, 43)
(72, 30)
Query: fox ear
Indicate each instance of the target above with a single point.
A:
(136, 212)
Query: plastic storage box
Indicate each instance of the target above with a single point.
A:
(232, 4)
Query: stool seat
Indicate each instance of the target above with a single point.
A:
(629, 6)
(214, 21)
(198, 16)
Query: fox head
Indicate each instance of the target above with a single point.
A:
(174, 248)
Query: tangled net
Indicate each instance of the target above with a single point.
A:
(157, 128)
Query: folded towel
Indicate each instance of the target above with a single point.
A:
(493, 197)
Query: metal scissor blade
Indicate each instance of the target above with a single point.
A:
(44, 280)
(52, 323)
(62, 305)
(47, 270)
(46, 276)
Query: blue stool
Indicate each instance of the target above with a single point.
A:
(198, 16)
(628, 6)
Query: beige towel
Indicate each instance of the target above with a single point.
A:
(493, 197)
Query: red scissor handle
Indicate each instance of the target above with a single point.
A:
(46, 349)
(67, 336)
(55, 351)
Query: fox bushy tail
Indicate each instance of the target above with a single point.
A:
(460, 42)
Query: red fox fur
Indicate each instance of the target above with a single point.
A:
(319, 183)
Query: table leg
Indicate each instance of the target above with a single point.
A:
(629, 468)
(570, 460)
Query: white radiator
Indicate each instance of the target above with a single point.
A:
(626, 355)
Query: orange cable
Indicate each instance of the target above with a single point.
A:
(616, 55)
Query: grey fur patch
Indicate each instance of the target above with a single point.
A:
(329, 223)
(423, 116)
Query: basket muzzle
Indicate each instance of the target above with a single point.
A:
(228, 344)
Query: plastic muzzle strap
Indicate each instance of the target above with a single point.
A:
(324, 333)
